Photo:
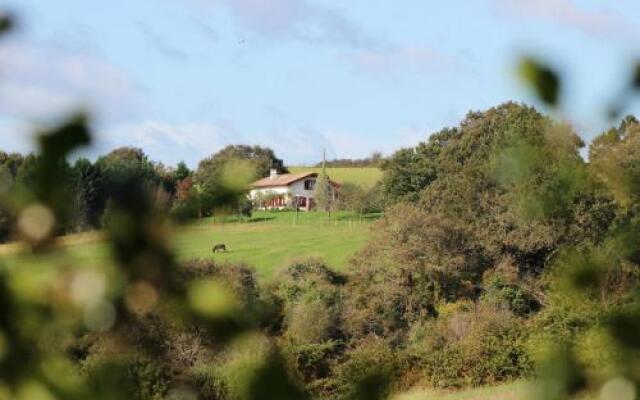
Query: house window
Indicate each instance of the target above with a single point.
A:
(309, 184)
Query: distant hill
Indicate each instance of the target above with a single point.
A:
(363, 176)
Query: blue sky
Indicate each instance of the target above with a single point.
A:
(182, 78)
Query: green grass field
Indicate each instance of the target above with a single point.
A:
(512, 391)
(516, 390)
(365, 177)
(269, 241)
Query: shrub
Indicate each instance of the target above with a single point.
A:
(308, 296)
(577, 320)
(482, 346)
(504, 288)
(415, 261)
(240, 278)
(312, 363)
(150, 380)
(248, 369)
(310, 322)
(305, 282)
(229, 375)
(139, 377)
(368, 371)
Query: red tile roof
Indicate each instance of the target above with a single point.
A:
(282, 180)
(285, 180)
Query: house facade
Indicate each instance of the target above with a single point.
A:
(279, 191)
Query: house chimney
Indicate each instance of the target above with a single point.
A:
(273, 174)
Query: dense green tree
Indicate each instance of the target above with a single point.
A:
(122, 166)
(125, 163)
(224, 177)
(182, 171)
(615, 160)
(324, 194)
(353, 197)
(512, 176)
(262, 158)
(88, 184)
(410, 170)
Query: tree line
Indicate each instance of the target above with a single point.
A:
(374, 160)
(175, 190)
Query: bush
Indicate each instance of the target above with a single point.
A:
(504, 288)
(308, 296)
(305, 282)
(240, 278)
(139, 378)
(415, 261)
(312, 363)
(150, 380)
(230, 375)
(485, 345)
(310, 322)
(354, 198)
(577, 320)
(368, 371)
(248, 369)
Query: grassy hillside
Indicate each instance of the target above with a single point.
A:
(511, 391)
(366, 176)
(270, 240)
(516, 390)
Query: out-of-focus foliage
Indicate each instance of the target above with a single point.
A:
(130, 330)
(514, 241)
(6, 23)
(506, 249)
(542, 79)
(591, 320)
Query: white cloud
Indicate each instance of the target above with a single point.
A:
(565, 12)
(192, 142)
(39, 82)
(401, 59)
(308, 22)
(169, 143)
(299, 20)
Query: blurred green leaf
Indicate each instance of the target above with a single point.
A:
(560, 377)
(271, 382)
(373, 387)
(542, 79)
(625, 327)
(6, 23)
(635, 78)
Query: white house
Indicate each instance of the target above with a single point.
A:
(285, 190)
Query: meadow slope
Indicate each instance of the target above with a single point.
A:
(518, 390)
(268, 241)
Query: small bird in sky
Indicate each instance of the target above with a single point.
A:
(241, 41)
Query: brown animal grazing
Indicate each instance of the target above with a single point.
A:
(220, 247)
